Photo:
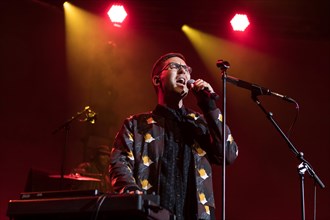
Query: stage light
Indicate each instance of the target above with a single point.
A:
(117, 15)
(240, 22)
(67, 6)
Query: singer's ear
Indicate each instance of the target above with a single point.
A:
(156, 80)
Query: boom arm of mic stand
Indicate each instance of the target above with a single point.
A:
(298, 154)
(304, 164)
(68, 122)
(66, 126)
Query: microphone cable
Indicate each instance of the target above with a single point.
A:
(294, 120)
(98, 204)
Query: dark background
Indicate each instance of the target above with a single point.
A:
(286, 48)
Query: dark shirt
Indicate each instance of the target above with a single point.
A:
(176, 165)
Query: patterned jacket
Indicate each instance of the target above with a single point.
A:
(138, 148)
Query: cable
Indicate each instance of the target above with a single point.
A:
(98, 204)
(294, 120)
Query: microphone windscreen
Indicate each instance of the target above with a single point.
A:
(190, 83)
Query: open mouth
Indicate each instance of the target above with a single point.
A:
(181, 81)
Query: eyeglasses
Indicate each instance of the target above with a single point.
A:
(177, 66)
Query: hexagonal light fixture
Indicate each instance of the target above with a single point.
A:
(117, 14)
(240, 22)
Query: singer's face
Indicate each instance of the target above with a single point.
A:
(173, 79)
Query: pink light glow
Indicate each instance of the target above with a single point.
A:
(240, 22)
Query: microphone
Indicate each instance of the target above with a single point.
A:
(256, 89)
(206, 91)
(90, 115)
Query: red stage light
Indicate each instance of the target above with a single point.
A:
(117, 14)
(240, 22)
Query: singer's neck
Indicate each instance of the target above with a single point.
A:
(170, 102)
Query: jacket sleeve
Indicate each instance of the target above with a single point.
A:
(215, 149)
(122, 160)
(211, 138)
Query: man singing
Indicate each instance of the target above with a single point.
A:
(169, 151)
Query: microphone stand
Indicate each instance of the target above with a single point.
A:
(223, 66)
(303, 166)
(66, 127)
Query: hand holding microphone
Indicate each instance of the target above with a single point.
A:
(200, 86)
